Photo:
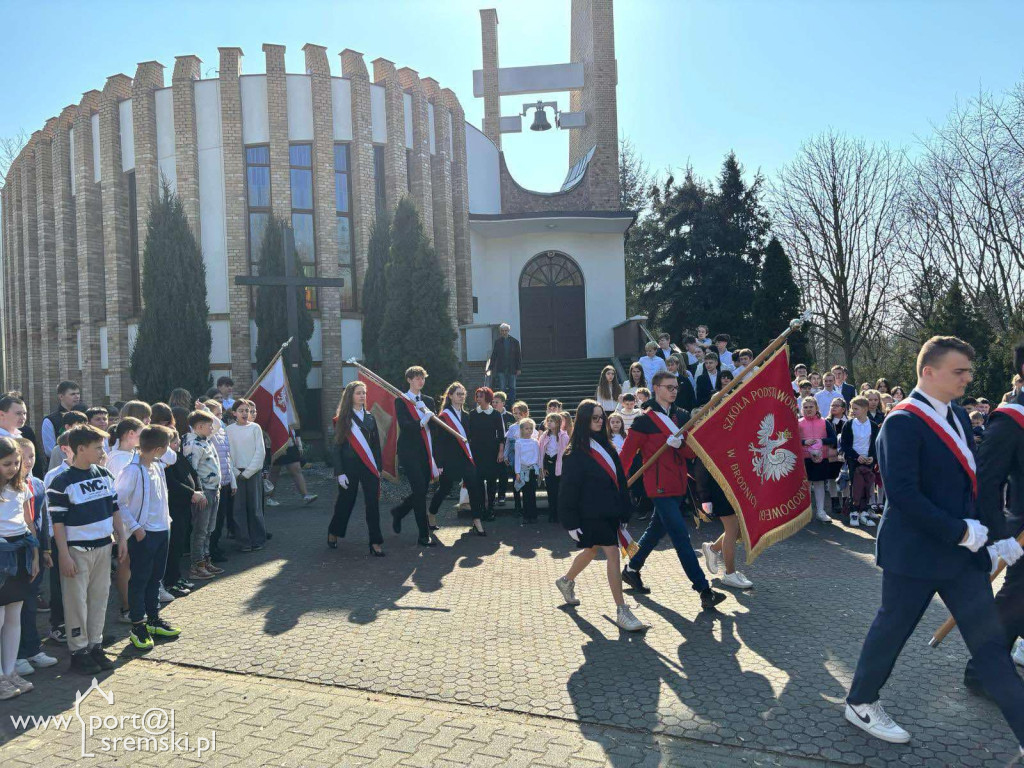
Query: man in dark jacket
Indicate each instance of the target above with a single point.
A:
(506, 362)
(413, 411)
(69, 394)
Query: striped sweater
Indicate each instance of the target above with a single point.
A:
(84, 501)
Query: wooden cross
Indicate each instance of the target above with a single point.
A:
(291, 279)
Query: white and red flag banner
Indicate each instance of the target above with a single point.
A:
(275, 407)
(751, 446)
(381, 403)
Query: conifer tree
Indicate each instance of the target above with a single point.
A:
(271, 316)
(776, 302)
(954, 315)
(375, 289)
(417, 328)
(172, 348)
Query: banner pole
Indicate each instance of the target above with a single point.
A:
(794, 325)
(266, 370)
(394, 391)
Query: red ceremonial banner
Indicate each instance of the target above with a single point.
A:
(381, 403)
(275, 407)
(751, 445)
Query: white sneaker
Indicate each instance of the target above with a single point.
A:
(272, 502)
(268, 487)
(20, 682)
(627, 621)
(8, 690)
(41, 660)
(822, 516)
(309, 498)
(22, 667)
(872, 719)
(866, 521)
(1018, 653)
(568, 590)
(164, 596)
(737, 580)
(855, 520)
(123, 617)
(712, 559)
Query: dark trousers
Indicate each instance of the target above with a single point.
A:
(1009, 606)
(505, 476)
(637, 492)
(450, 478)
(551, 481)
(178, 542)
(487, 471)
(529, 492)
(56, 595)
(418, 475)
(148, 559)
(346, 502)
(969, 598)
(224, 517)
(668, 518)
(29, 643)
(250, 524)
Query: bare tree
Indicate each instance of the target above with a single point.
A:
(837, 209)
(9, 148)
(635, 183)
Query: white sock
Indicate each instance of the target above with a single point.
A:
(10, 636)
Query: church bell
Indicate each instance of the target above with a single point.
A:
(540, 120)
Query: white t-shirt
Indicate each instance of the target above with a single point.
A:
(12, 512)
(861, 436)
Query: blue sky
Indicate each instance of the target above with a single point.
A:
(696, 77)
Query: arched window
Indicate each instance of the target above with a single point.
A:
(551, 269)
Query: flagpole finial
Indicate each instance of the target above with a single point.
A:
(797, 322)
(352, 361)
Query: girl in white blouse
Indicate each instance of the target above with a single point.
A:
(608, 389)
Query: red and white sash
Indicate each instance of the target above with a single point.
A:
(424, 433)
(605, 461)
(664, 423)
(449, 418)
(359, 444)
(1014, 411)
(950, 437)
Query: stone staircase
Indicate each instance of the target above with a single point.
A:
(567, 380)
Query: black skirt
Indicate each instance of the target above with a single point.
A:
(17, 588)
(291, 455)
(599, 533)
(818, 470)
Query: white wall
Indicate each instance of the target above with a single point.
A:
(482, 170)
(165, 137)
(104, 350)
(127, 123)
(220, 346)
(299, 89)
(96, 167)
(255, 116)
(430, 124)
(378, 114)
(341, 104)
(498, 263)
(212, 205)
(71, 160)
(407, 104)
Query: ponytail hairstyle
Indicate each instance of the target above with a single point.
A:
(343, 416)
(124, 426)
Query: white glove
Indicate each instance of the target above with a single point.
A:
(343, 481)
(706, 506)
(427, 413)
(298, 442)
(575, 534)
(976, 535)
(674, 442)
(1008, 549)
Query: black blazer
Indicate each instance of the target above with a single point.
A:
(486, 432)
(586, 492)
(704, 388)
(182, 482)
(1001, 457)
(846, 443)
(346, 461)
(848, 391)
(410, 444)
(499, 363)
(448, 452)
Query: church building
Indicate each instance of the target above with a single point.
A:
(326, 150)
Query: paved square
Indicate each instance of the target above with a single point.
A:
(461, 655)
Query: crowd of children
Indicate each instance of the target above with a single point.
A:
(134, 489)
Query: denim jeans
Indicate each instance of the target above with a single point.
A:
(204, 521)
(668, 517)
(506, 382)
(148, 558)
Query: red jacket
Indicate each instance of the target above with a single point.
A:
(667, 477)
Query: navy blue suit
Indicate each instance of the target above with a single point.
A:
(928, 497)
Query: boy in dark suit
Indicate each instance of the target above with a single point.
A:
(931, 541)
(413, 411)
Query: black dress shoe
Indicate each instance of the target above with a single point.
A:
(376, 552)
(632, 579)
(426, 542)
(435, 527)
(332, 544)
(477, 531)
(396, 520)
(709, 598)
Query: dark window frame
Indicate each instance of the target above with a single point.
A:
(380, 178)
(252, 249)
(347, 271)
(308, 269)
(134, 257)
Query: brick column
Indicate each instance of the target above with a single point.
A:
(277, 111)
(19, 346)
(460, 208)
(492, 97)
(186, 153)
(46, 265)
(116, 238)
(149, 76)
(237, 223)
(361, 157)
(65, 247)
(7, 214)
(395, 170)
(30, 258)
(419, 176)
(91, 272)
(441, 193)
(326, 227)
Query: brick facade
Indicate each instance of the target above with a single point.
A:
(277, 111)
(419, 173)
(396, 171)
(186, 152)
(66, 249)
(441, 192)
(492, 98)
(46, 264)
(32, 384)
(361, 160)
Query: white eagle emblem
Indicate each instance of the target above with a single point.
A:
(771, 461)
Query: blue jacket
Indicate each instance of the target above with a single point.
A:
(928, 497)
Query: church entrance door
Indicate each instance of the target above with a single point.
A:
(552, 308)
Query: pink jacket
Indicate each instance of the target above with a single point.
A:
(813, 429)
(563, 443)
